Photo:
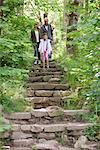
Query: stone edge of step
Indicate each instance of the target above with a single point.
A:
(50, 128)
(52, 111)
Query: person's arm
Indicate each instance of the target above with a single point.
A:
(32, 35)
(41, 47)
(33, 38)
(51, 28)
(49, 47)
(41, 32)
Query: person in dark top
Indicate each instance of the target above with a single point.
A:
(47, 28)
(35, 37)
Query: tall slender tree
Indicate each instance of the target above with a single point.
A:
(86, 5)
(1, 12)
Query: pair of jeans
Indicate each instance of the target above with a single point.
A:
(36, 50)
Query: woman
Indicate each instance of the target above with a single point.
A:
(35, 37)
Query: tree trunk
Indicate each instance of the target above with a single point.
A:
(1, 12)
(65, 23)
(86, 5)
(72, 24)
(1, 4)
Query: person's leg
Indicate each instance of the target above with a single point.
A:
(43, 60)
(35, 54)
(39, 56)
(50, 55)
(47, 59)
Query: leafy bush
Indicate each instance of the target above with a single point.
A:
(83, 67)
(3, 127)
(16, 55)
(93, 132)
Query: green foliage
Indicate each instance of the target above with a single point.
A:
(3, 127)
(93, 132)
(47, 5)
(15, 46)
(83, 67)
(16, 55)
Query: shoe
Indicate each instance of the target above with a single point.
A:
(50, 59)
(39, 62)
(47, 66)
(36, 62)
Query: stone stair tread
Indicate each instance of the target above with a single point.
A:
(46, 145)
(43, 146)
(47, 86)
(54, 80)
(49, 111)
(47, 93)
(24, 142)
(51, 65)
(45, 73)
(31, 75)
(20, 148)
(41, 69)
(75, 112)
(39, 100)
(44, 79)
(51, 128)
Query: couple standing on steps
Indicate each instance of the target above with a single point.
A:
(42, 38)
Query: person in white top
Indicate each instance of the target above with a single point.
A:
(45, 49)
(35, 37)
(46, 27)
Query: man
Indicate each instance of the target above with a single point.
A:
(47, 28)
(35, 37)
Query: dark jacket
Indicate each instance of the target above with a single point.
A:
(49, 31)
(33, 37)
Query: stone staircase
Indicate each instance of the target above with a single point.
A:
(48, 126)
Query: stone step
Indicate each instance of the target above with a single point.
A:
(45, 73)
(43, 102)
(49, 70)
(46, 77)
(49, 115)
(46, 145)
(28, 129)
(46, 93)
(49, 79)
(23, 143)
(30, 134)
(20, 148)
(51, 65)
(51, 145)
(47, 86)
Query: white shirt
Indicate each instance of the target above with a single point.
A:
(46, 27)
(37, 35)
(45, 45)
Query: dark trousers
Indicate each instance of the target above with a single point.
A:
(36, 51)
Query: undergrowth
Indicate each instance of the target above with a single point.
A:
(82, 71)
